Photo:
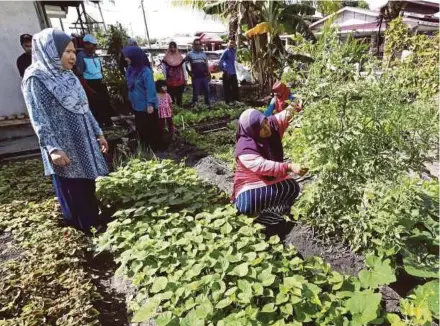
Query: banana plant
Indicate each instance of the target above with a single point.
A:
(277, 18)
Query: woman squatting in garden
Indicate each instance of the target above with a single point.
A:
(262, 184)
(70, 139)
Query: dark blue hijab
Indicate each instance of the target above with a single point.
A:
(138, 63)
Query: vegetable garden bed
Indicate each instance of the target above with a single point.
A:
(48, 275)
(190, 259)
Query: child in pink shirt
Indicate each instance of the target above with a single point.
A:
(165, 107)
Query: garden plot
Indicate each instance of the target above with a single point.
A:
(195, 261)
(48, 275)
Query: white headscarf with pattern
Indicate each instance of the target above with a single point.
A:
(47, 68)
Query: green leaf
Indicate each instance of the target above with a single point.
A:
(394, 320)
(287, 309)
(223, 303)
(266, 277)
(258, 289)
(164, 318)
(381, 273)
(426, 268)
(204, 310)
(428, 293)
(251, 312)
(363, 306)
(244, 286)
(226, 229)
(281, 298)
(145, 312)
(270, 307)
(296, 281)
(194, 271)
(159, 284)
(260, 246)
(240, 270)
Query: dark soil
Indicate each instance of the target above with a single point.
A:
(215, 172)
(177, 149)
(111, 305)
(308, 244)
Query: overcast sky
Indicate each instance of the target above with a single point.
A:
(163, 18)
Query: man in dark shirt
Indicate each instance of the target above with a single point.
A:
(25, 59)
(199, 72)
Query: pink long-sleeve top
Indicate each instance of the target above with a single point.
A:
(252, 170)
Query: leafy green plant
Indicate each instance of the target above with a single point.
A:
(420, 307)
(47, 282)
(361, 135)
(200, 113)
(417, 74)
(194, 261)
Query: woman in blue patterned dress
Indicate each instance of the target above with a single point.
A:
(70, 138)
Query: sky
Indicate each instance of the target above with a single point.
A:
(163, 18)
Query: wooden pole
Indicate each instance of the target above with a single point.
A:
(85, 17)
(80, 20)
(102, 17)
(145, 22)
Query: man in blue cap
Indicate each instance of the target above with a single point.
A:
(89, 70)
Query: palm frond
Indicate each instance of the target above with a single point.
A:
(295, 24)
(194, 4)
(220, 7)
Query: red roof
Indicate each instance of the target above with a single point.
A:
(210, 38)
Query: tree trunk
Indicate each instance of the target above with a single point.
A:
(233, 20)
(258, 45)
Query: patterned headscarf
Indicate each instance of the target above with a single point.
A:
(249, 140)
(47, 68)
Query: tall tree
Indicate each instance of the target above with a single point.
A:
(265, 22)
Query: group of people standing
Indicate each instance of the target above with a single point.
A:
(72, 143)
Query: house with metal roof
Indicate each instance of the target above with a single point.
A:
(420, 16)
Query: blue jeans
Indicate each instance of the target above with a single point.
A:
(200, 84)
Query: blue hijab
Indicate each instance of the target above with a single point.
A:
(138, 63)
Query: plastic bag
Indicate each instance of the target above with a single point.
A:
(243, 73)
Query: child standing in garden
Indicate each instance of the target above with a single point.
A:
(165, 107)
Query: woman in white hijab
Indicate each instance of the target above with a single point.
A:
(70, 139)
